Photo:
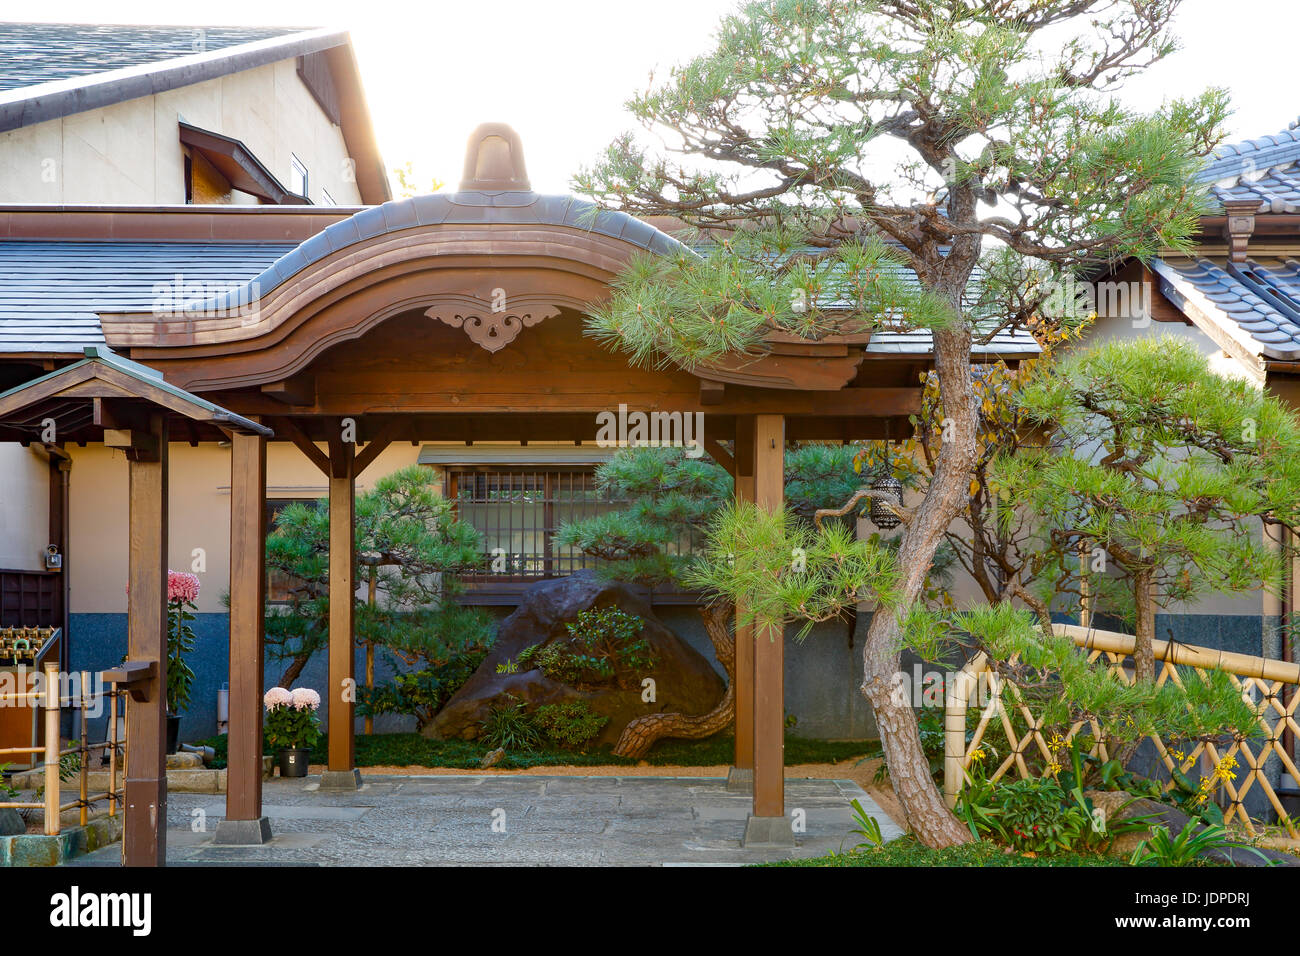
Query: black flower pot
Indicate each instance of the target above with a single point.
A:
(293, 761)
(173, 732)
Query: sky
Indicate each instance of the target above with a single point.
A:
(559, 71)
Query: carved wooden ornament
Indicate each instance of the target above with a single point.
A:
(493, 330)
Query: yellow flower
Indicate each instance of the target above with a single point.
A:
(977, 754)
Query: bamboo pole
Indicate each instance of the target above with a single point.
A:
(51, 750)
(112, 752)
(954, 727)
(1187, 655)
(85, 749)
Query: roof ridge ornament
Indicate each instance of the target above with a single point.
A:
(494, 161)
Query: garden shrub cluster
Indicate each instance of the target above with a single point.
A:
(604, 647)
(569, 724)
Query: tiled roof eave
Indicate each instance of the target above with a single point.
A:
(28, 105)
(1215, 321)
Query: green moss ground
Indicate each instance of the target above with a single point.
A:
(412, 750)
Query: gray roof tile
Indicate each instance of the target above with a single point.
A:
(1266, 169)
(1259, 298)
(51, 291)
(32, 53)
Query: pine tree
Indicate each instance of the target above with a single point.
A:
(1160, 473)
(826, 145)
(409, 543)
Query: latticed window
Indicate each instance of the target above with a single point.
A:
(518, 510)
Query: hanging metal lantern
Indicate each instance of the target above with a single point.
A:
(881, 516)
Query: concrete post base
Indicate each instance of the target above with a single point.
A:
(341, 779)
(768, 832)
(242, 832)
(740, 780)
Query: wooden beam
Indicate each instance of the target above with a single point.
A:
(247, 599)
(144, 841)
(139, 445)
(769, 641)
(375, 447)
(342, 587)
(290, 430)
(711, 392)
(300, 390)
(718, 452)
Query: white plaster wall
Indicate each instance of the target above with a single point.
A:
(198, 510)
(131, 153)
(24, 508)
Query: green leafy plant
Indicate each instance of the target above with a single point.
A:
(424, 692)
(868, 827)
(291, 722)
(603, 646)
(182, 592)
(510, 726)
(570, 723)
(1187, 848)
(977, 807)
(1035, 817)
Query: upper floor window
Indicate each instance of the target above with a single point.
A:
(326, 199)
(297, 176)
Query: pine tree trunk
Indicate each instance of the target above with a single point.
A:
(923, 806)
(1144, 655)
(292, 672)
(640, 734)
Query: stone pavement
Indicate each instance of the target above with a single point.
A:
(511, 819)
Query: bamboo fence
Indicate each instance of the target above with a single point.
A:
(1267, 684)
(49, 698)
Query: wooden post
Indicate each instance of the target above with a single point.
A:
(244, 823)
(52, 749)
(342, 772)
(369, 725)
(144, 842)
(742, 775)
(769, 642)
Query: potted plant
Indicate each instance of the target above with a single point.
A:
(182, 593)
(292, 727)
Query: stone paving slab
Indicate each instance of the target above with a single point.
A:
(505, 819)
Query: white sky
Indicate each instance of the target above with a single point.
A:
(559, 70)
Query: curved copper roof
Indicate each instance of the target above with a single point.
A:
(473, 207)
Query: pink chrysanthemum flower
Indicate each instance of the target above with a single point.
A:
(182, 586)
(305, 698)
(277, 697)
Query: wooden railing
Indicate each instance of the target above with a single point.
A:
(1273, 682)
(53, 752)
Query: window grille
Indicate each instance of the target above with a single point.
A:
(518, 511)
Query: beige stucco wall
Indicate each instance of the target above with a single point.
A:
(131, 153)
(198, 510)
(24, 508)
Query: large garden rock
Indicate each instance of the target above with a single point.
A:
(11, 822)
(685, 681)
